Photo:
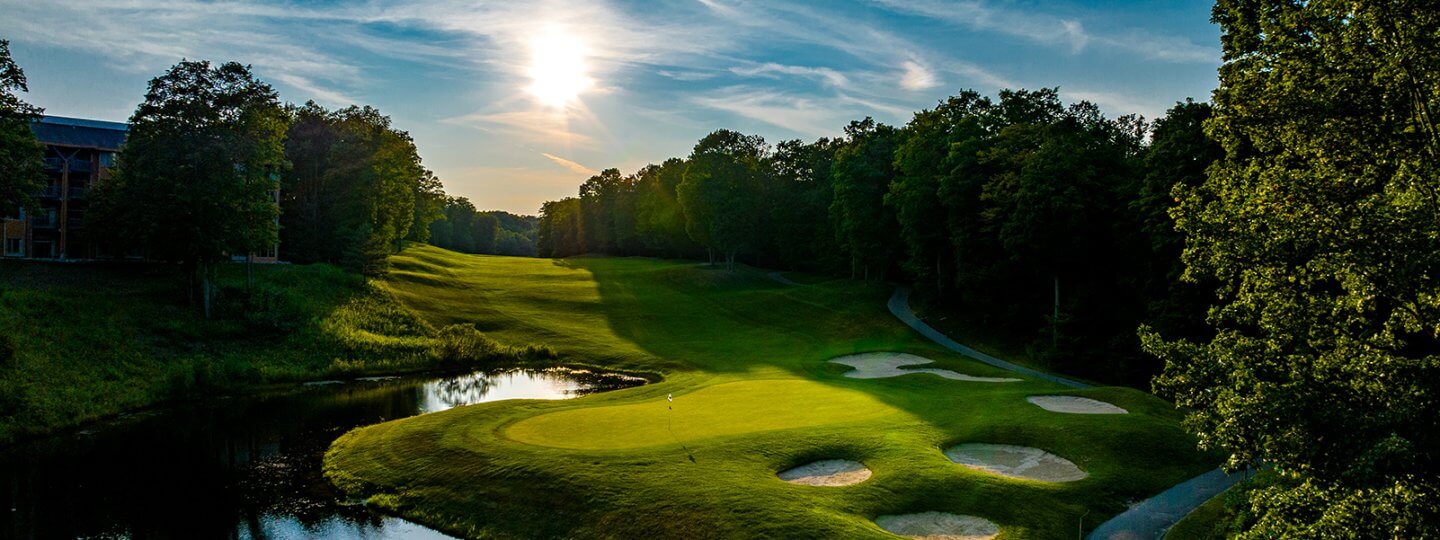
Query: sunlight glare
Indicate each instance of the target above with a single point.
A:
(557, 69)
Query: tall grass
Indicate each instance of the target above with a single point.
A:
(81, 342)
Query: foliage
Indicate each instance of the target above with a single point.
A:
(1319, 227)
(196, 180)
(862, 173)
(21, 175)
(355, 191)
(720, 192)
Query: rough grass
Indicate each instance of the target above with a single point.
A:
(745, 358)
(1208, 522)
(81, 342)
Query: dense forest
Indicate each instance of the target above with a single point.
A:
(1046, 219)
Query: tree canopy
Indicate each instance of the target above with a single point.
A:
(21, 174)
(1319, 226)
(196, 181)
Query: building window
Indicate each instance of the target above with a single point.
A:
(107, 159)
(12, 247)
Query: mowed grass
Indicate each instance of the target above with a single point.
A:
(745, 359)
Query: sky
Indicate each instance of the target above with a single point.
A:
(513, 103)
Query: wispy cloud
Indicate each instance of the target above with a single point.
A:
(772, 69)
(917, 77)
(534, 126)
(802, 115)
(568, 164)
(1048, 29)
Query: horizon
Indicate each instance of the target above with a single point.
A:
(537, 98)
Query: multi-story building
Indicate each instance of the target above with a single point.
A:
(79, 154)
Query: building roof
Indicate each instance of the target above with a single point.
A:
(79, 132)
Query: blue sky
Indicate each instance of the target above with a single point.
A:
(516, 102)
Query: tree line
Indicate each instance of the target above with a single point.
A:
(1021, 210)
(207, 150)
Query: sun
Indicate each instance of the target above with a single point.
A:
(558, 74)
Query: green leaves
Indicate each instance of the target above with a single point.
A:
(21, 174)
(1319, 226)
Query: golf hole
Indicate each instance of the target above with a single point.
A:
(880, 365)
(1015, 462)
(1075, 405)
(939, 526)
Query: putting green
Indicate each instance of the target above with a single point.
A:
(714, 411)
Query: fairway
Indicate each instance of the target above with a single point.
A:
(746, 360)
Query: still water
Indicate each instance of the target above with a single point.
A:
(244, 468)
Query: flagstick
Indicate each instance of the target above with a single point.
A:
(670, 425)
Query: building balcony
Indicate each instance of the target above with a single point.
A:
(77, 165)
(44, 222)
(79, 192)
(49, 192)
(75, 223)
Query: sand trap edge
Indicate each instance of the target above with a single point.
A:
(827, 472)
(1075, 405)
(939, 525)
(1033, 463)
(883, 365)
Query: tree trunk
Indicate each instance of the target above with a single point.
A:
(1055, 315)
(710, 252)
(207, 292)
(249, 279)
(939, 274)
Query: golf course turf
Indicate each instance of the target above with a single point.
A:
(746, 361)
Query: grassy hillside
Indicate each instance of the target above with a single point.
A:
(81, 342)
(745, 359)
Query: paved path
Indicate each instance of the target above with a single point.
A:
(1148, 520)
(777, 276)
(1153, 517)
(900, 306)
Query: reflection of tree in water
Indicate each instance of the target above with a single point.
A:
(591, 382)
(465, 389)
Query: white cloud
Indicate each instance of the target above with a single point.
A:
(805, 115)
(772, 69)
(917, 77)
(568, 164)
(1053, 30)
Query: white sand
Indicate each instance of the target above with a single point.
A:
(939, 526)
(1075, 405)
(879, 365)
(829, 472)
(1015, 462)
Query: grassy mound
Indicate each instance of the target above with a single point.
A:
(746, 361)
(81, 342)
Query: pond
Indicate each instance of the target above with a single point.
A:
(244, 468)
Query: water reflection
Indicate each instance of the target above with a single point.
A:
(238, 468)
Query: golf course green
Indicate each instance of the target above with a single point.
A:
(744, 391)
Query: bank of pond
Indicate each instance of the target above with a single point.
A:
(240, 467)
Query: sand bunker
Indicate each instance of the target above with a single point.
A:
(1074, 405)
(1015, 462)
(939, 526)
(829, 472)
(879, 365)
